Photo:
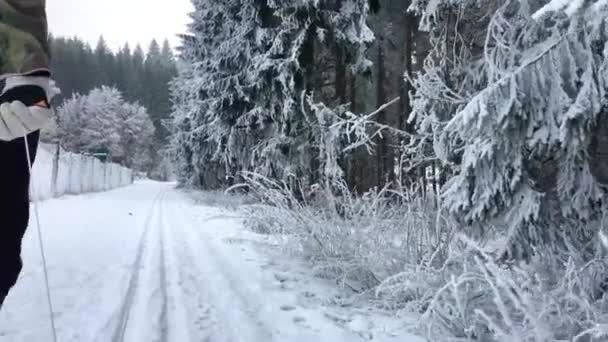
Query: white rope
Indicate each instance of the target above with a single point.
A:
(42, 253)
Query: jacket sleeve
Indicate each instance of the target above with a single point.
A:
(24, 48)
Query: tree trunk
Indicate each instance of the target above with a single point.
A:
(354, 160)
(340, 90)
(598, 149)
(385, 159)
(411, 51)
(308, 56)
(340, 81)
(353, 93)
(409, 27)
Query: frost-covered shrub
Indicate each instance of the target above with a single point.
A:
(404, 255)
(220, 199)
(555, 297)
(360, 241)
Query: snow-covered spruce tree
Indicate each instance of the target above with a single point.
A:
(456, 34)
(520, 116)
(292, 72)
(208, 93)
(249, 70)
(234, 114)
(190, 137)
(181, 127)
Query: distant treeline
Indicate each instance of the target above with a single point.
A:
(142, 77)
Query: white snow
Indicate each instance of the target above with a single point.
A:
(570, 7)
(144, 263)
(551, 6)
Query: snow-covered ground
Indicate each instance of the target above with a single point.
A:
(144, 263)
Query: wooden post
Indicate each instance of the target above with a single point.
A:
(55, 172)
(70, 188)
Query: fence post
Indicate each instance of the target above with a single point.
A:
(70, 189)
(105, 176)
(83, 176)
(111, 175)
(55, 172)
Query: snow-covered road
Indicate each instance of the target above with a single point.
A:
(144, 263)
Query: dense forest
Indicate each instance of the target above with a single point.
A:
(487, 118)
(301, 70)
(138, 78)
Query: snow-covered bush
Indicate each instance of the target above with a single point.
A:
(231, 200)
(405, 255)
(358, 241)
(554, 297)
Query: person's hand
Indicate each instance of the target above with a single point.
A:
(24, 106)
(19, 120)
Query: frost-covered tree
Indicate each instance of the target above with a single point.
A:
(158, 70)
(183, 115)
(519, 114)
(101, 109)
(136, 136)
(248, 70)
(102, 122)
(194, 152)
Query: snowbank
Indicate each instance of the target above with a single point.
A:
(76, 174)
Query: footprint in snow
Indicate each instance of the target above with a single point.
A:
(288, 308)
(281, 277)
(308, 294)
(299, 319)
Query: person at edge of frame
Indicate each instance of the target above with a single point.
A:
(25, 93)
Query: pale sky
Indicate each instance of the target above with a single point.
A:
(119, 21)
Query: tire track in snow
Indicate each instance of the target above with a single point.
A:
(174, 319)
(164, 314)
(125, 311)
(199, 306)
(204, 318)
(235, 304)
